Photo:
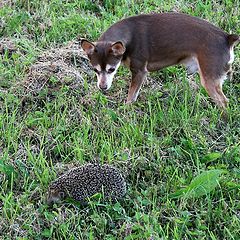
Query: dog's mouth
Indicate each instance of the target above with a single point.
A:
(104, 89)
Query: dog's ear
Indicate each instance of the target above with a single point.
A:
(87, 46)
(233, 39)
(117, 48)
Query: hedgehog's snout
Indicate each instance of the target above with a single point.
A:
(50, 201)
(54, 196)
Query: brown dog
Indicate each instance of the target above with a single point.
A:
(148, 43)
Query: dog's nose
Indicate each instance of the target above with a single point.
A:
(103, 88)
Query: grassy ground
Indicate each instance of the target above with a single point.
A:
(165, 140)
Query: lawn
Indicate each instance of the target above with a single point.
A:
(179, 152)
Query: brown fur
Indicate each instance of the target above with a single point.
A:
(152, 42)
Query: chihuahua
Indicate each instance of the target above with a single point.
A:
(150, 42)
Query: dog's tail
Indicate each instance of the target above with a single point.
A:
(233, 39)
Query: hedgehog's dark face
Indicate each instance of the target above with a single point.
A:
(55, 195)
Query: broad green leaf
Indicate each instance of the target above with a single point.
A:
(178, 193)
(46, 232)
(211, 157)
(7, 169)
(204, 183)
(201, 185)
(112, 114)
(232, 185)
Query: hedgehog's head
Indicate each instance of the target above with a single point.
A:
(55, 194)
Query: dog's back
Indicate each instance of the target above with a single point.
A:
(167, 33)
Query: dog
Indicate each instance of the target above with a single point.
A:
(150, 42)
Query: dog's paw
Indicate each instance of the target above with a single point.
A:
(128, 102)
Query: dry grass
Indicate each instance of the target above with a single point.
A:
(64, 66)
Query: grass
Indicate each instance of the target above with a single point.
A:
(168, 138)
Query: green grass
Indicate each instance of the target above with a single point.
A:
(164, 141)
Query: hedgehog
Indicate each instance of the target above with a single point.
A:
(83, 182)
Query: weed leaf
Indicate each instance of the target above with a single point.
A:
(211, 157)
(204, 183)
(201, 185)
(7, 169)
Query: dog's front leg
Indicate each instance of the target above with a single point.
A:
(135, 85)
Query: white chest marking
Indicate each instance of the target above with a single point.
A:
(231, 56)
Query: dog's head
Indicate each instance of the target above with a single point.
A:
(105, 58)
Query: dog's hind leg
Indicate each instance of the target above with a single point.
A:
(213, 69)
(214, 89)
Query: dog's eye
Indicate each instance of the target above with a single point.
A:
(111, 70)
(95, 70)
